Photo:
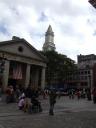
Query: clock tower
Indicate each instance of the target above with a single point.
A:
(49, 40)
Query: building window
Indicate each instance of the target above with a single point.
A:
(82, 72)
(85, 72)
(20, 49)
(88, 72)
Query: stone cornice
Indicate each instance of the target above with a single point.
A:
(13, 57)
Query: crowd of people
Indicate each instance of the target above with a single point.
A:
(83, 93)
(28, 100)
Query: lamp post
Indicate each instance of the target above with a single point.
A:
(89, 88)
(89, 81)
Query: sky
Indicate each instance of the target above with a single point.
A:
(73, 23)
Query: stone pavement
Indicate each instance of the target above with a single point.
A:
(68, 114)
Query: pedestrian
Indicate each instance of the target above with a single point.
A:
(36, 104)
(10, 94)
(28, 95)
(78, 94)
(17, 93)
(94, 95)
(21, 102)
(71, 94)
(89, 94)
(52, 101)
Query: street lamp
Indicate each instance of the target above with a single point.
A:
(89, 81)
(89, 88)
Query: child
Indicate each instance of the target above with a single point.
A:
(21, 102)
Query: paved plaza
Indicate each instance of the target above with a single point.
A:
(68, 114)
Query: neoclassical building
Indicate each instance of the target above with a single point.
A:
(23, 64)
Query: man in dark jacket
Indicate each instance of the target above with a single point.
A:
(52, 101)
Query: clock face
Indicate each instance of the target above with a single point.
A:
(49, 48)
(49, 39)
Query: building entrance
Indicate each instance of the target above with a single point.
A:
(17, 74)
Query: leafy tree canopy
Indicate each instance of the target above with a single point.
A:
(58, 64)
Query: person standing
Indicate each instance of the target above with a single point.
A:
(78, 94)
(94, 95)
(52, 101)
(89, 94)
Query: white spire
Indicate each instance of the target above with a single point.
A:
(49, 29)
(49, 40)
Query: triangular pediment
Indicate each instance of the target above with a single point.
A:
(21, 47)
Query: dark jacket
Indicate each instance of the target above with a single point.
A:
(28, 92)
(52, 97)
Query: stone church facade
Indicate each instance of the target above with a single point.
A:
(23, 64)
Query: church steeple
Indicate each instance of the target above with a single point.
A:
(49, 30)
(49, 33)
(49, 40)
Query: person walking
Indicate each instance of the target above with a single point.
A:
(52, 101)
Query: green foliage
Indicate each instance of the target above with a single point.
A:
(57, 67)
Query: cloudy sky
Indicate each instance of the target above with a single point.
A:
(73, 23)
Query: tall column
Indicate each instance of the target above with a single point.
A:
(6, 74)
(27, 79)
(43, 78)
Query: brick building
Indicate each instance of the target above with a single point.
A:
(85, 75)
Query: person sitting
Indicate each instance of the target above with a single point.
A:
(36, 105)
(21, 103)
(10, 94)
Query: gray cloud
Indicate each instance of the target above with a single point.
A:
(73, 22)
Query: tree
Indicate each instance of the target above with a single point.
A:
(57, 67)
